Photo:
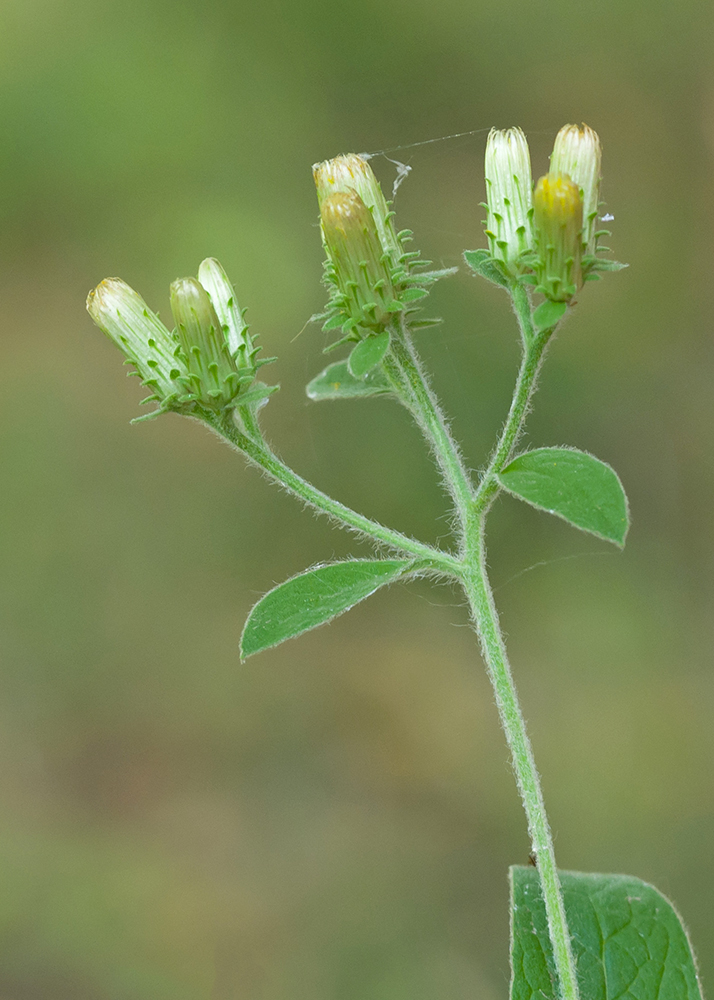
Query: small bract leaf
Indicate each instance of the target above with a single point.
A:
(608, 265)
(368, 353)
(337, 382)
(574, 485)
(628, 940)
(313, 598)
(484, 264)
(413, 294)
(548, 314)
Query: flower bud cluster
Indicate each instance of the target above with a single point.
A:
(370, 275)
(547, 237)
(208, 361)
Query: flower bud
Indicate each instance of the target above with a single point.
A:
(349, 173)
(559, 224)
(140, 335)
(358, 264)
(223, 299)
(577, 153)
(509, 225)
(212, 373)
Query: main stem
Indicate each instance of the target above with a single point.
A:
(473, 510)
(478, 590)
(480, 595)
(405, 372)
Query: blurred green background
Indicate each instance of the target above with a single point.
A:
(334, 820)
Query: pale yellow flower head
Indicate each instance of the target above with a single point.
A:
(509, 225)
(578, 154)
(357, 258)
(353, 173)
(558, 209)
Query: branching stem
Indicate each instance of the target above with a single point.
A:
(473, 510)
(403, 368)
(260, 454)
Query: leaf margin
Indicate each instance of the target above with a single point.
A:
(549, 510)
(404, 567)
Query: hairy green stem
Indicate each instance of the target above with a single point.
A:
(480, 595)
(473, 510)
(258, 452)
(478, 590)
(405, 372)
(525, 386)
(522, 308)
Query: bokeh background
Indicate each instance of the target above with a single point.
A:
(334, 819)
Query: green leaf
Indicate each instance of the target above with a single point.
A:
(628, 940)
(313, 598)
(548, 314)
(368, 353)
(573, 485)
(484, 264)
(337, 382)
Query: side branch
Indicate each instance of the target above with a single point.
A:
(260, 454)
(406, 373)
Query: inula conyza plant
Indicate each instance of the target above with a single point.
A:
(597, 937)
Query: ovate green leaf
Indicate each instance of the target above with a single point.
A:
(628, 941)
(337, 382)
(368, 353)
(313, 598)
(575, 486)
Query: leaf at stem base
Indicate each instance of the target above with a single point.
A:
(628, 940)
